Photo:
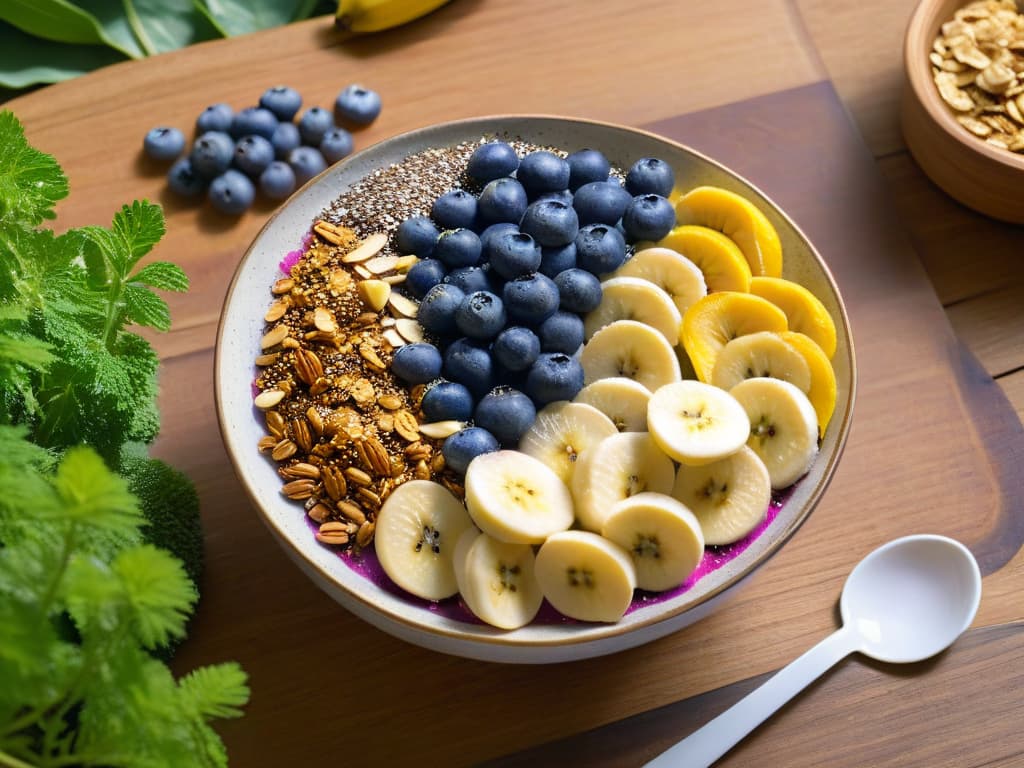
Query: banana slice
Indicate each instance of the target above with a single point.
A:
(762, 354)
(515, 498)
(696, 423)
(783, 427)
(738, 219)
(497, 580)
(822, 392)
(585, 576)
(618, 467)
(719, 259)
(730, 496)
(661, 535)
(632, 350)
(675, 274)
(719, 318)
(417, 530)
(633, 298)
(622, 400)
(804, 311)
(562, 431)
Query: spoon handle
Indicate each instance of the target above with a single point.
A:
(705, 745)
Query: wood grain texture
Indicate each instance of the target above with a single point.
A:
(862, 713)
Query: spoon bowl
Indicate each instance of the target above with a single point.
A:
(911, 598)
(906, 601)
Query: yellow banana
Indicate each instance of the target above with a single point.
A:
(376, 15)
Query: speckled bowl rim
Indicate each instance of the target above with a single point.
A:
(917, 44)
(416, 623)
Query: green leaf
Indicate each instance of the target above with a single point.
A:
(166, 25)
(64, 22)
(240, 17)
(136, 229)
(27, 60)
(31, 182)
(146, 308)
(93, 495)
(114, 26)
(158, 592)
(215, 691)
(162, 275)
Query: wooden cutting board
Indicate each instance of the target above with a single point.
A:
(932, 449)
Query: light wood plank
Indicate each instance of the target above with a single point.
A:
(861, 46)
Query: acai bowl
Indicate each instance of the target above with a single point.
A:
(328, 433)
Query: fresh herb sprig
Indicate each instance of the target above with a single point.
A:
(88, 604)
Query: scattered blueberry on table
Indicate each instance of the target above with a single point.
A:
(269, 148)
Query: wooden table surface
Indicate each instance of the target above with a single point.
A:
(935, 444)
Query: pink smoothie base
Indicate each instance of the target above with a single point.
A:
(366, 564)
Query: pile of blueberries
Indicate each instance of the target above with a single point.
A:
(505, 277)
(234, 152)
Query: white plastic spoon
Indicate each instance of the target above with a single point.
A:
(906, 601)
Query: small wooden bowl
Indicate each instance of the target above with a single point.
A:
(983, 177)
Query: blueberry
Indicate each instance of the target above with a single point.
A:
(167, 143)
(543, 171)
(506, 413)
(423, 276)
(253, 121)
(481, 315)
(417, 235)
(464, 446)
(531, 299)
(513, 254)
(216, 117)
(469, 363)
(492, 161)
(437, 309)
(488, 235)
(600, 249)
(307, 162)
(447, 401)
(336, 144)
(516, 348)
(416, 363)
(580, 291)
(555, 376)
(562, 196)
(231, 192)
(277, 180)
(357, 105)
(283, 101)
(648, 217)
(649, 175)
(285, 139)
(550, 222)
(469, 279)
(314, 123)
(562, 332)
(183, 180)
(600, 202)
(586, 166)
(557, 259)
(503, 200)
(458, 248)
(211, 154)
(455, 208)
(253, 154)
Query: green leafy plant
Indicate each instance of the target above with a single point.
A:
(45, 41)
(92, 593)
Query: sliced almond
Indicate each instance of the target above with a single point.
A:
(274, 336)
(268, 398)
(378, 265)
(393, 338)
(410, 329)
(369, 248)
(402, 305)
(442, 429)
(324, 321)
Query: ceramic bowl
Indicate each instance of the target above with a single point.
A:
(981, 176)
(448, 628)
